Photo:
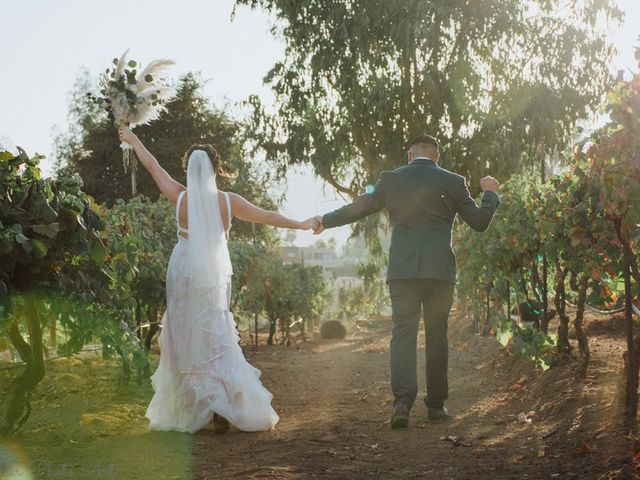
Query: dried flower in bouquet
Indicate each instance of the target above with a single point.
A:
(134, 98)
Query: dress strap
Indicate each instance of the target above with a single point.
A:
(180, 195)
(229, 215)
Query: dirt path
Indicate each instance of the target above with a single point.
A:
(510, 421)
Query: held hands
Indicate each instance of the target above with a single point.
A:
(490, 184)
(312, 223)
(126, 135)
(320, 228)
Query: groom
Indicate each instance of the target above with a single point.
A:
(422, 200)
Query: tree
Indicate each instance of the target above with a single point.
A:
(320, 244)
(588, 219)
(566, 216)
(91, 147)
(497, 82)
(144, 231)
(290, 236)
(612, 179)
(52, 268)
(283, 293)
(308, 297)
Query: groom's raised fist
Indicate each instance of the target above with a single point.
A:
(490, 184)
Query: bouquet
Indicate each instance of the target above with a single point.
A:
(131, 98)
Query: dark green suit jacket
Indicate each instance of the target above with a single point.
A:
(422, 200)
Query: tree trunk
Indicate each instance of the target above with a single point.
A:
(302, 329)
(16, 409)
(476, 313)
(534, 287)
(630, 356)
(255, 323)
(509, 302)
(545, 285)
(583, 341)
(287, 332)
(544, 326)
(630, 360)
(154, 327)
(487, 318)
(138, 318)
(272, 330)
(53, 335)
(563, 347)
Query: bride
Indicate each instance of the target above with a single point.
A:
(203, 376)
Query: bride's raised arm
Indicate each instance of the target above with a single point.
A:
(169, 187)
(245, 210)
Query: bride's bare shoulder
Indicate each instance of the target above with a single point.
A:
(235, 199)
(222, 197)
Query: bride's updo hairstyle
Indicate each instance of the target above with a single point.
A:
(213, 155)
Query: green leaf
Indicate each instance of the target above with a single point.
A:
(98, 252)
(132, 63)
(503, 335)
(24, 243)
(39, 248)
(148, 78)
(21, 239)
(48, 230)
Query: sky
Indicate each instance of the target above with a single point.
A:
(45, 43)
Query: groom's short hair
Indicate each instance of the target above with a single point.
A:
(425, 140)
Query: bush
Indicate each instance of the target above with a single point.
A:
(333, 330)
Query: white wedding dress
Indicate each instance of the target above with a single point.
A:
(202, 368)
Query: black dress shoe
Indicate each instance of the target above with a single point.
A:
(400, 416)
(440, 413)
(220, 424)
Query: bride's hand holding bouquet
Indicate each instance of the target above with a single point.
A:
(127, 136)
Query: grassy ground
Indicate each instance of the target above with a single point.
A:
(85, 425)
